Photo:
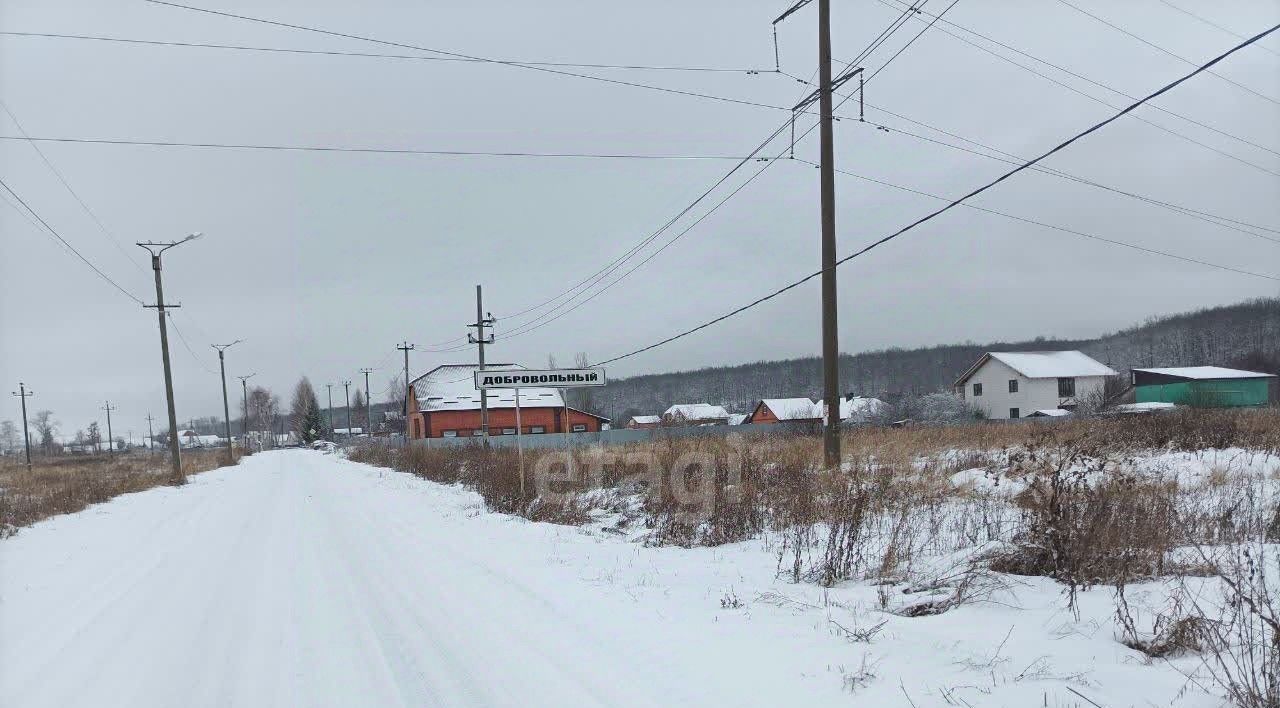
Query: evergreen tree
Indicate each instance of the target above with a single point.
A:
(305, 413)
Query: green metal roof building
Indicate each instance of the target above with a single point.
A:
(1203, 387)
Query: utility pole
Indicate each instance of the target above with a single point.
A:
(368, 402)
(156, 250)
(244, 420)
(346, 388)
(478, 339)
(330, 411)
(827, 178)
(24, 394)
(406, 348)
(110, 441)
(151, 435)
(226, 409)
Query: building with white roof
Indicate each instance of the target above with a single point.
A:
(1203, 386)
(444, 402)
(786, 410)
(695, 414)
(1012, 384)
(644, 421)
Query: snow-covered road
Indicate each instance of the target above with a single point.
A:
(302, 579)
(299, 579)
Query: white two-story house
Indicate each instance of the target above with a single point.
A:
(1016, 384)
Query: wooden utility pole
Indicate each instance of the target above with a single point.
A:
(156, 250)
(151, 435)
(329, 412)
(346, 390)
(244, 419)
(226, 409)
(111, 443)
(406, 348)
(368, 402)
(24, 394)
(827, 179)
(478, 339)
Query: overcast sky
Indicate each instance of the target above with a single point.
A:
(323, 262)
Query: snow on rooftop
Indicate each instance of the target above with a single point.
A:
(1051, 413)
(1207, 372)
(452, 387)
(1045, 365)
(646, 419)
(858, 408)
(793, 408)
(696, 411)
(1148, 407)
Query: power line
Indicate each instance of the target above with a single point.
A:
(371, 55)
(911, 41)
(1055, 227)
(102, 227)
(1159, 48)
(1215, 25)
(381, 151)
(486, 60)
(187, 345)
(952, 204)
(599, 275)
(1099, 84)
(1185, 211)
(69, 247)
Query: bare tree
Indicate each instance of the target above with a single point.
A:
(9, 438)
(396, 390)
(94, 436)
(46, 428)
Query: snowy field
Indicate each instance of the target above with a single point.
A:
(302, 579)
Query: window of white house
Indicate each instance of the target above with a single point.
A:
(450, 433)
(1014, 413)
(508, 431)
(1066, 387)
(977, 389)
(1013, 385)
(538, 429)
(579, 428)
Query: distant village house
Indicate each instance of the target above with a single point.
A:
(1007, 385)
(444, 403)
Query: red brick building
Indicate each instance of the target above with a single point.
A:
(444, 403)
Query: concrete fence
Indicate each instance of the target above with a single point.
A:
(619, 436)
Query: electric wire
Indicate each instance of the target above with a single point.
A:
(54, 232)
(1055, 227)
(1163, 50)
(950, 205)
(1072, 73)
(373, 55)
(370, 150)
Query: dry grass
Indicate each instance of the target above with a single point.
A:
(64, 485)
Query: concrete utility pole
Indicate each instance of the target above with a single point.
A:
(110, 441)
(244, 420)
(406, 348)
(330, 411)
(226, 409)
(24, 394)
(827, 178)
(478, 339)
(151, 435)
(368, 402)
(156, 250)
(346, 388)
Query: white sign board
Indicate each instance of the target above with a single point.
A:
(548, 378)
